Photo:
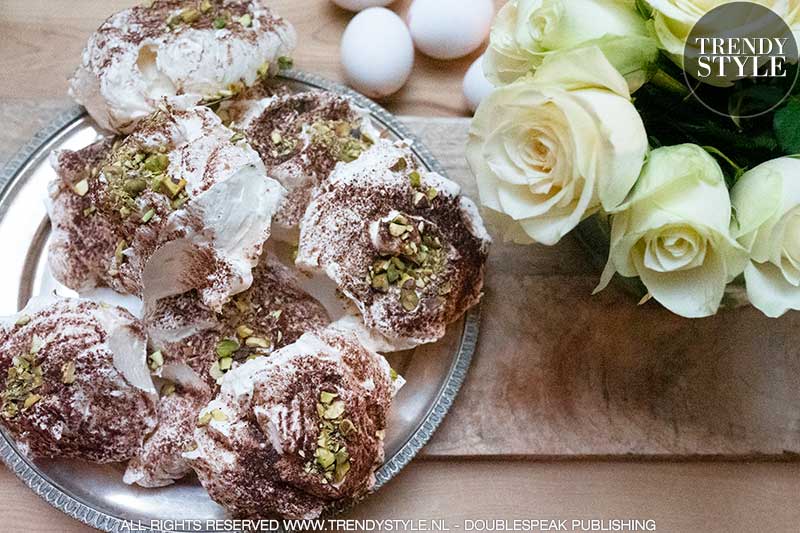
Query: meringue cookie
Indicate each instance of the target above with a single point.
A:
(77, 384)
(271, 314)
(146, 53)
(182, 203)
(301, 137)
(292, 433)
(401, 243)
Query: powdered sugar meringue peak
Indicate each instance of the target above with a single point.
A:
(402, 243)
(207, 50)
(76, 383)
(182, 203)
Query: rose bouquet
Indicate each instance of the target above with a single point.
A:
(595, 114)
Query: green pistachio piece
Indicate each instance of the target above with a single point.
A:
(30, 400)
(380, 283)
(257, 342)
(432, 193)
(396, 230)
(118, 251)
(341, 471)
(327, 397)
(148, 215)
(415, 178)
(285, 62)
(334, 410)
(219, 23)
(226, 347)
(168, 389)
(204, 419)
(135, 186)
(324, 457)
(400, 165)
(190, 15)
(246, 20)
(244, 331)
(22, 320)
(346, 427)
(81, 188)
(215, 372)
(218, 415)
(156, 360)
(68, 373)
(156, 163)
(225, 363)
(205, 6)
(409, 299)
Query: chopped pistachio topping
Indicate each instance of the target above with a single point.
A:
(244, 331)
(81, 188)
(257, 342)
(420, 258)
(234, 89)
(225, 364)
(155, 360)
(283, 146)
(68, 373)
(215, 371)
(89, 211)
(218, 415)
(219, 23)
(205, 6)
(331, 460)
(415, 179)
(226, 347)
(401, 165)
(327, 397)
(149, 214)
(246, 20)
(168, 388)
(285, 62)
(203, 419)
(343, 138)
(118, 251)
(238, 136)
(393, 374)
(24, 376)
(22, 320)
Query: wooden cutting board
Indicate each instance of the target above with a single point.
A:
(560, 373)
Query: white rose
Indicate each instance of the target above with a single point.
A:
(674, 19)
(674, 232)
(526, 31)
(767, 222)
(552, 149)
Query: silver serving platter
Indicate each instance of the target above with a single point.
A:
(95, 494)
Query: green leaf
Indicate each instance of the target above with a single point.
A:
(787, 126)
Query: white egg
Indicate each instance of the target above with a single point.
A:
(377, 52)
(358, 5)
(476, 86)
(447, 29)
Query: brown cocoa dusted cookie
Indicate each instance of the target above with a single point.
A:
(273, 313)
(186, 51)
(301, 137)
(293, 433)
(76, 383)
(182, 203)
(400, 242)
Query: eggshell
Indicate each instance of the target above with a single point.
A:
(377, 52)
(448, 29)
(476, 86)
(359, 5)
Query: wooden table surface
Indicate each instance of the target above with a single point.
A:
(40, 43)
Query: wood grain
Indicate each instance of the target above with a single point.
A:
(559, 372)
(41, 43)
(681, 498)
